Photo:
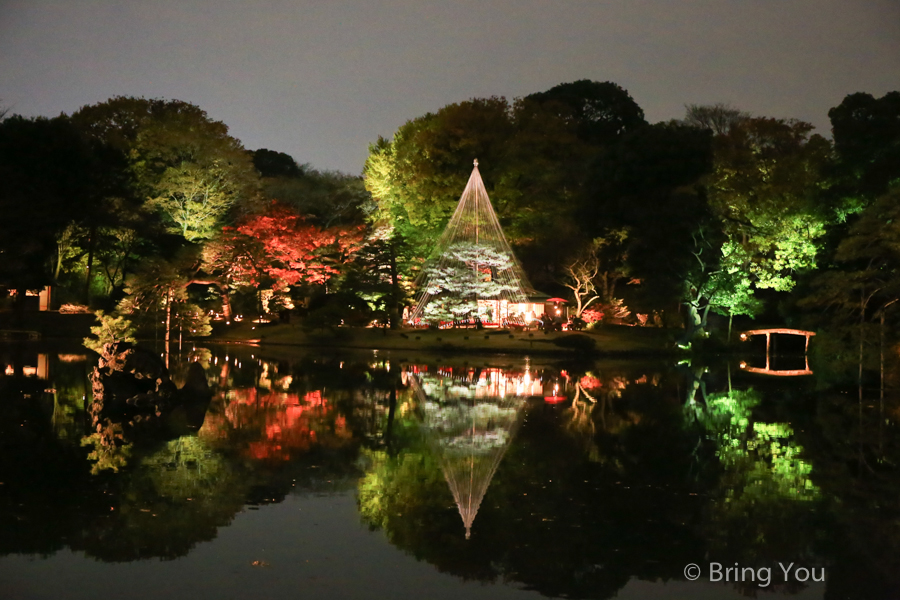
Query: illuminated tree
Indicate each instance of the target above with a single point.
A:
(157, 292)
(297, 252)
(109, 330)
(186, 165)
(416, 178)
(233, 260)
(379, 274)
(469, 272)
(535, 155)
(764, 187)
(593, 275)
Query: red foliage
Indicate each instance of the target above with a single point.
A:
(591, 315)
(590, 383)
(297, 251)
(280, 424)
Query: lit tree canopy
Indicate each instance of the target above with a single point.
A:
(469, 272)
(299, 252)
(535, 155)
(185, 164)
(763, 189)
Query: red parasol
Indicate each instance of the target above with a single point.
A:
(556, 300)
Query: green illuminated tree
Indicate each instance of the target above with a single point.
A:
(712, 219)
(416, 178)
(186, 166)
(109, 330)
(534, 153)
(764, 189)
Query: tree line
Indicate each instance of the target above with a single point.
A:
(152, 208)
(718, 212)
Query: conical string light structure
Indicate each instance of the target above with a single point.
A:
(471, 262)
(469, 427)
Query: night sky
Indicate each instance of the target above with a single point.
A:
(321, 80)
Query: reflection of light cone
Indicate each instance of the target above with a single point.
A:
(470, 444)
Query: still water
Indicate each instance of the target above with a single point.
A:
(380, 475)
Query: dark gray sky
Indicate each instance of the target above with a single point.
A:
(322, 79)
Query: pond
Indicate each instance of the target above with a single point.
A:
(376, 475)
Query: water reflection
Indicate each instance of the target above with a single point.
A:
(470, 416)
(583, 477)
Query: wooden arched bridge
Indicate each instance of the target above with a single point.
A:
(769, 333)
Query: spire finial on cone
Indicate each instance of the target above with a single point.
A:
(476, 162)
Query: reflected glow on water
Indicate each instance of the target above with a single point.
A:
(366, 477)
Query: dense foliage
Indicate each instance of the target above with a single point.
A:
(152, 208)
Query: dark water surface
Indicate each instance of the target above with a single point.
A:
(380, 475)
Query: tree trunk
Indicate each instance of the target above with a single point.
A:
(226, 304)
(168, 323)
(392, 409)
(692, 325)
(90, 265)
(59, 253)
(862, 333)
(705, 319)
(394, 309)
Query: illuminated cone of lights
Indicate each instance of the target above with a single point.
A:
(469, 431)
(472, 261)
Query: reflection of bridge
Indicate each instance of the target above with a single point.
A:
(768, 333)
(782, 373)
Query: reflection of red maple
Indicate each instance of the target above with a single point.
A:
(282, 424)
(297, 251)
(589, 383)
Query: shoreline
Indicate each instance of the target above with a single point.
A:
(608, 342)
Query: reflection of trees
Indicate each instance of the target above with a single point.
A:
(172, 494)
(855, 452)
(469, 420)
(554, 520)
(45, 489)
(759, 511)
(274, 425)
(175, 497)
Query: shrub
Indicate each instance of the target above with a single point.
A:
(111, 329)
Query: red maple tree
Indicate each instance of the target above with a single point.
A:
(297, 251)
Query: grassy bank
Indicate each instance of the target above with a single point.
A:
(608, 341)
